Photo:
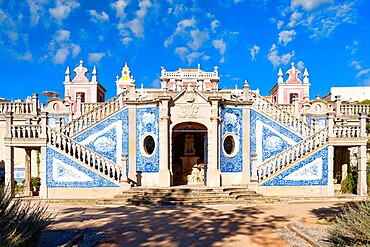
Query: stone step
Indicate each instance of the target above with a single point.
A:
(175, 194)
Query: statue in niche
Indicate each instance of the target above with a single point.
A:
(189, 144)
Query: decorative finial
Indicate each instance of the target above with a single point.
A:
(292, 64)
(67, 78)
(305, 75)
(94, 73)
(280, 76)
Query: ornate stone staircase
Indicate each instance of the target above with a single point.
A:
(84, 156)
(288, 120)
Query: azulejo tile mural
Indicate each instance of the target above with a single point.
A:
(312, 171)
(108, 138)
(268, 138)
(147, 125)
(231, 125)
(63, 172)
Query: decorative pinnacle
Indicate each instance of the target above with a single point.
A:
(94, 71)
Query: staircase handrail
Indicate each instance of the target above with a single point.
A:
(91, 117)
(292, 154)
(88, 157)
(275, 112)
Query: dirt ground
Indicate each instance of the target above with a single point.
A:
(214, 225)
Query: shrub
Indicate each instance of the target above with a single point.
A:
(349, 184)
(352, 226)
(21, 223)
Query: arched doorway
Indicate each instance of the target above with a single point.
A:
(189, 153)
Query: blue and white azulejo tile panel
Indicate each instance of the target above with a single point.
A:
(147, 124)
(268, 138)
(231, 124)
(63, 172)
(312, 171)
(108, 138)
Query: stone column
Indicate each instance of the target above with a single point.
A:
(361, 165)
(9, 169)
(253, 185)
(131, 141)
(27, 180)
(164, 171)
(330, 119)
(44, 123)
(78, 105)
(330, 171)
(124, 183)
(246, 91)
(296, 107)
(43, 187)
(338, 102)
(35, 103)
(213, 168)
(246, 146)
(363, 125)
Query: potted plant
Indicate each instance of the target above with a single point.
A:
(36, 182)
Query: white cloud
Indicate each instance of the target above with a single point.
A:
(286, 36)
(36, 9)
(76, 49)
(192, 56)
(294, 18)
(356, 64)
(353, 48)
(26, 57)
(277, 60)
(182, 52)
(95, 17)
(61, 55)
(198, 39)
(95, 57)
(126, 41)
(309, 5)
(62, 35)
(362, 72)
(181, 26)
(220, 45)
(254, 51)
(214, 24)
(300, 65)
(279, 24)
(206, 57)
(62, 9)
(136, 25)
(119, 6)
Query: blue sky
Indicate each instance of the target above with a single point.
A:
(245, 39)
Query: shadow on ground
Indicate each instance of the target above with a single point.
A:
(163, 226)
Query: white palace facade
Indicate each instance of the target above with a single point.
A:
(188, 132)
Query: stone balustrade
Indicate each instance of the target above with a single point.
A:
(87, 107)
(291, 155)
(68, 146)
(190, 74)
(16, 107)
(281, 116)
(95, 115)
(346, 131)
(354, 109)
(25, 131)
(289, 108)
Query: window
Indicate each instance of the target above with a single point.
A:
(229, 145)
(149, 145)
(292, 96)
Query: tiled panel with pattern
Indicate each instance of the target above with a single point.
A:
(231, 123)
(312, 171)
(147, 124)
(64, 172)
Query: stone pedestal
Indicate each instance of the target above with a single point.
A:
(187, 164)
